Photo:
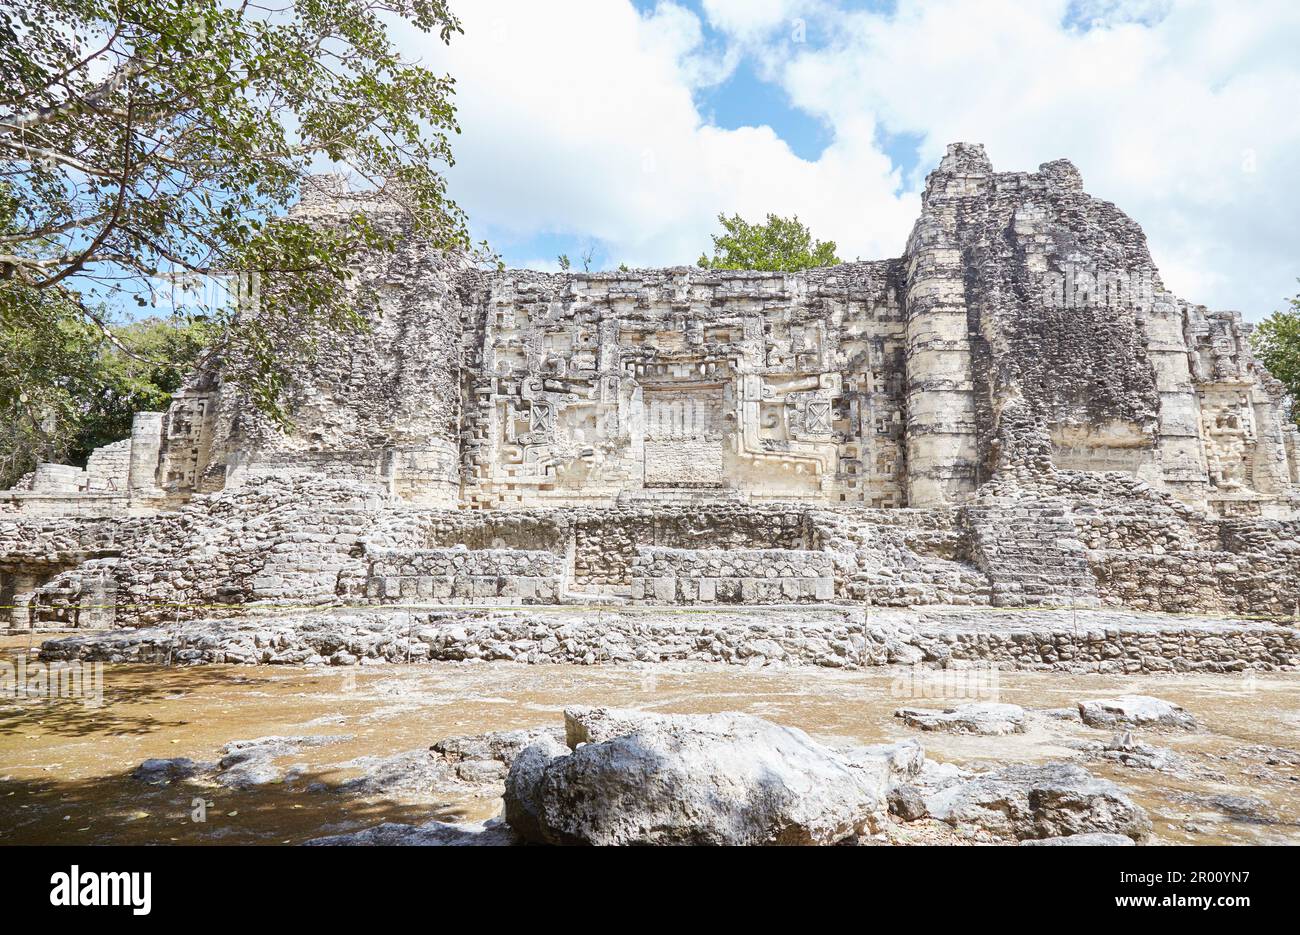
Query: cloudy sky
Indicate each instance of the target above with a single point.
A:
(626, 127)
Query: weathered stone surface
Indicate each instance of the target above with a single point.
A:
(1030, 801)
(988, 718)
(1125, 750)
(499, 746)
(525, 802)
(903, 759)
(907, 802)
(1135, 711)
(1082, 840)
(158, 772)
(429, 834)
(248, 763)
(1013, 413)
(839, 638)
(691, 779)
(1061, 714)
(412, 771)
(1244, 808)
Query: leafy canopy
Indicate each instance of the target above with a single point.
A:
(778, 244)
(65, 389)
(138, 374)
(1277, 344)
(141, 139)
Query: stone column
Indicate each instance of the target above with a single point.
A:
(1181, 466)
(427, 476)
(146, 449)
(19, 592)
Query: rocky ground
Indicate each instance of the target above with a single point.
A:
(620, 776)
(432, 754)
(842, 638)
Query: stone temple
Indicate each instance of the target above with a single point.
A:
(1013, 413)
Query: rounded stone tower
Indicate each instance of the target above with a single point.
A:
(941, 427)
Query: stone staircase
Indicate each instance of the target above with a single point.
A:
(1032, 555)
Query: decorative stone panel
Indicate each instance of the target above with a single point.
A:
(732, 576)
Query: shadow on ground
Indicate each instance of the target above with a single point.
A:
(118, 809)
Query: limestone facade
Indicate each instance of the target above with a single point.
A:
(1014, 412)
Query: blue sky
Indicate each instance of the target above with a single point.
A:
(626, 127)
(746, 97)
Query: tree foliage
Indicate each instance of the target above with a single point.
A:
(139, 373)
(66, 389)
(778, 244)
(45, 350)
(1277, 344)
(140, 139)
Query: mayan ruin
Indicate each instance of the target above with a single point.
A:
(1014, 413)
(430, 424)
(1007, 457)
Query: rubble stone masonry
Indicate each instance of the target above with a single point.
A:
(1015, 413)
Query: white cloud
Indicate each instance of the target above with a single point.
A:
(675, 33)
(756, 19)
(578, 119)
(1183, 115)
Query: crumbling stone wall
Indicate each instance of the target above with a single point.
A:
(600, 544)
(607, 542)
(1015, 413)
(1031, 553)
(732, 576)
(34, 551)
(1024, 331)
(896, 558)
(817, 635)
(1037, 308)
(278, 541)
(457, 575)
(1105, 643)
(284, 543)
(119, 480)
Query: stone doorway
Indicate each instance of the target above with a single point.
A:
(684, 432)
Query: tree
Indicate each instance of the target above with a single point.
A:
(139, 373)
(65, 389)
(45, 349)
(1277, 344)
(779, 244)
(146, 138)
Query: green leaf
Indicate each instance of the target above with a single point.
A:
(778, 245)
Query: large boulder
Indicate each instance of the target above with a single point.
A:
(1040, 801)
(636, 778)
(1135, 711)
(988, 718)
(523, 796)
